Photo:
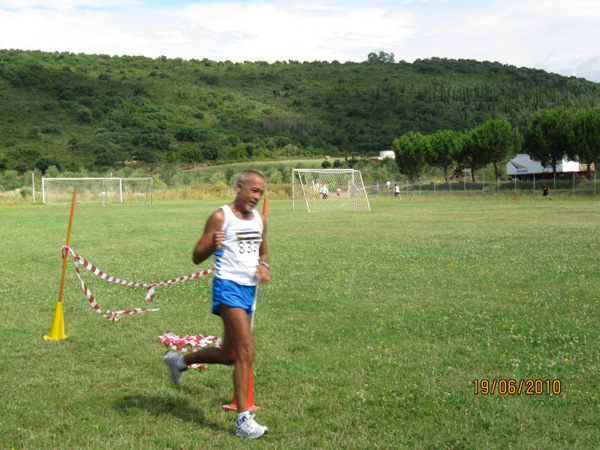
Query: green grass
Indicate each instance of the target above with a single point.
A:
(369, 336)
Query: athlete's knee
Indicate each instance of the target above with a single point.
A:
(228, 358)
(228, 361)
(246, 353)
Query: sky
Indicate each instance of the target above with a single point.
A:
(557, 36)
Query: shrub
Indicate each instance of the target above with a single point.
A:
(52, 105)
(107, 159)
(10, 180)
(84, 115)
(26, 192)
(35, 133)
(15, 152)
(192, 155)
(275, 178)
(44, 163)
(209, 79)
(218, 178)
(52, 128)
(188, 134)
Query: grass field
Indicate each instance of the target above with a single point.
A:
(370, 335)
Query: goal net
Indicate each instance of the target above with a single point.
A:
(97, 190)
(329, 190)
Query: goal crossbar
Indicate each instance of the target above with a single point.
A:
(101, 190)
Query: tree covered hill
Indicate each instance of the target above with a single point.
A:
(74, 110)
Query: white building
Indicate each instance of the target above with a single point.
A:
(523, 166)
(384, 154)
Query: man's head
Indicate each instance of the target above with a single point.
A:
(250, 189)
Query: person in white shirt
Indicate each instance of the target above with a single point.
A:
(236, 235)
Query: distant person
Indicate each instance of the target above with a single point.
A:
(545, 192)
(397, 192)
(389, 185)
(325, 192)
(338, 192)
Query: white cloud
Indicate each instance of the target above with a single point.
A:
(269, 32)
(554, 35)
(65, 4)
(85, 31)
(520, 33)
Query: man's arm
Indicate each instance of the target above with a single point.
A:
(211, 239)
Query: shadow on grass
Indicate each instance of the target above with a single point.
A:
(164, 406)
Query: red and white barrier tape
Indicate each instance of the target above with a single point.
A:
(188, 344)
(115, 316)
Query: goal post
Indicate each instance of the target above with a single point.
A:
(329, 190)
(102, 190)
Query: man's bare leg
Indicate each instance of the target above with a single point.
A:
(237, 349)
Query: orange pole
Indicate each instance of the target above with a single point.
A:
(62, 279)
(265, 206)
(57, 331)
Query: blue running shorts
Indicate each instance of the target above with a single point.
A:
(230, 293)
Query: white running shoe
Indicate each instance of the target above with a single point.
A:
(171, 359)
(249, 428)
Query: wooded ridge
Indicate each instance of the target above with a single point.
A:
(72, 110)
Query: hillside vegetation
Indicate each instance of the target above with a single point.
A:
(98, 111)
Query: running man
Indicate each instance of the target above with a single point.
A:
(545, 192)
(236, 235)
(397, 192)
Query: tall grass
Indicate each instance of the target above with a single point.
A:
(218, 191)
(369, 336)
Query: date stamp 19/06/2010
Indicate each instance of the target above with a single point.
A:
(516, 387)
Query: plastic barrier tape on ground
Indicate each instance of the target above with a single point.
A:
(115, 316)
(188, 344)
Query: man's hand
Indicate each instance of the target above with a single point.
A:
(262, 275)
(211, 239)
(218, 238)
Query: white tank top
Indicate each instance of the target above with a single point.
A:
(237, 258)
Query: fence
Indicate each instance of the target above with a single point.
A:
(573, 184)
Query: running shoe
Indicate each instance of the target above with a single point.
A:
(171, 359)
(249, 429)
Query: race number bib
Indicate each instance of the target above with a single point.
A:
(248, 243)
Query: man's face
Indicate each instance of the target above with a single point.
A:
(250, 193)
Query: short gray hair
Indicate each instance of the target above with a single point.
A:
(247, 174)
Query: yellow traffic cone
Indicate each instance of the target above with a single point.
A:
(57, 332)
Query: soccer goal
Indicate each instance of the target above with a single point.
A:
(97, 190)
(136, 190)
(329, 190)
